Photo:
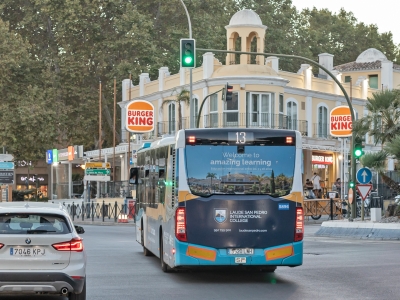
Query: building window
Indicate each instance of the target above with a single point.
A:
(213, 120)
(291, 109)
(259, 108)
(281, 123)
(322, 131)
(373, 81)
(171, 118)
(347, 78)
(195, 112)
(231, 111)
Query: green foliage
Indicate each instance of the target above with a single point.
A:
(54, 53)
(393, 147)
(374, 160)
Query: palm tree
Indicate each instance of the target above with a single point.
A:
(182, 96)
(259, 179)
(382, 123)
(211, 176)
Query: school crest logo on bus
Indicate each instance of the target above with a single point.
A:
(220, 215)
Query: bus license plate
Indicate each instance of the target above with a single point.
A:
(25, 251)
(240, 260)
(245, 251)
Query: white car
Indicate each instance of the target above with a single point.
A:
(40, 251)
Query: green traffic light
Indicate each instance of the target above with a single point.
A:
(351, 184)
(358, 152)
(188, 60)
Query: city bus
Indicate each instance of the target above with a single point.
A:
(221, 197)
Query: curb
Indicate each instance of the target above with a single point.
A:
(98, 223)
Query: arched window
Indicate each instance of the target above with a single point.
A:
(322, 125)
(171, 118)
(291, 112)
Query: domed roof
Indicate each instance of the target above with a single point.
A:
(371, 55)
(246, 17)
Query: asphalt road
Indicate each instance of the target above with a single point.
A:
(332, 269)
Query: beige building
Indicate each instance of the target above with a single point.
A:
(266, 96)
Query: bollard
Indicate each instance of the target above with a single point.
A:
(331, 200)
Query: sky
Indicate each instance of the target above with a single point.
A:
(383, 13)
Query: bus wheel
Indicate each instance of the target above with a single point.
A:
(164, 266)
(146, 251)
(316, 217)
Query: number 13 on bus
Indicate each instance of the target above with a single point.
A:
(221, 197)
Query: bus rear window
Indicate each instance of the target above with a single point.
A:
(231, 169)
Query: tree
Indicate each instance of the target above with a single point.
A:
(182, 96)
(383, 124)
(211, 176)
(259, 179)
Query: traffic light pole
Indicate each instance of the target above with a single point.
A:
(353, 159)
(191, 104)
(202, 104)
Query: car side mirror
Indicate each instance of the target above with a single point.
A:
(79, 229)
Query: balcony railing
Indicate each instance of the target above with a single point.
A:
(321, 131)
(238, 120)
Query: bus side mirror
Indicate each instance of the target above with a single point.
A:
(133, 176)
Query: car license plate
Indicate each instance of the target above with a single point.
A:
(245, 251)
(27, 251)
(240, 260)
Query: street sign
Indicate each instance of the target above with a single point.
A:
(6, 157)
(364, 175)
(96, 178)
(363, 190)
(7, 177)
(97, 171)
(6, 165)
(101, 165)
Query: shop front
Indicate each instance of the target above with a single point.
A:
(322, 163)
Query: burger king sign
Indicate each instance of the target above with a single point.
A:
(341, 124)
(139, 116)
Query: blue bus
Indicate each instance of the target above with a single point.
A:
(221, 197)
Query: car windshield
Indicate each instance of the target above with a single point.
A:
(227, 169)
(31, 223)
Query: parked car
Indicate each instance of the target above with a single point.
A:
(41, 251)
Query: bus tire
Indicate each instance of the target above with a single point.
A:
(146, 251)
(164, 266)
(316, 217)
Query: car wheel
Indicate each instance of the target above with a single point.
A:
(164, 266)
(81, 296)
(316, 217)
(146, 251)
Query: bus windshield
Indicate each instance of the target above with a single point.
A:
(231, 169)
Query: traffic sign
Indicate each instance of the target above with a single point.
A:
(101, 165)
(363, 190)
(96, 178)
(6, 165)
(350, 196)
(97, 171)
(6, 157)
(364, 175)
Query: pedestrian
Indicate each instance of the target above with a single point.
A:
(309, 187)
(316, 184)
(338, 185)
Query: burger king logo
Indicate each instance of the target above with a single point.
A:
(341, 124)
(139, 116)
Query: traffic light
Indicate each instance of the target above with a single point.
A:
(228, 92)
(351, 184)
(358, 147)
(188, 53)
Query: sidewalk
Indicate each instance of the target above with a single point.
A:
(360, 229)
